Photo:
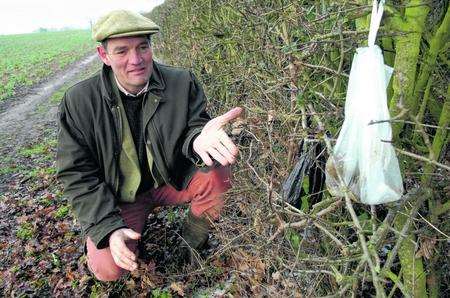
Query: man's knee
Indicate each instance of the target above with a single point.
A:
(101, 263)
(208, 191)
(105, 271)
(219, 179)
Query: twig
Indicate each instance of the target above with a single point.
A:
(335, 34)
(433, 226)
(373, 213)
(397, 283)
(413, 155)
(421, 196)
(323, 68)
(335, 261)
(335, 240)
(341, 63)
(362, 240)
(408, 122)
(379, 290)
(228, 245)
(379, 235)
(302, 223)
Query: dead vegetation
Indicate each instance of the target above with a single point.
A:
(287, 63)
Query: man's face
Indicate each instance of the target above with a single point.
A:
(130, 59)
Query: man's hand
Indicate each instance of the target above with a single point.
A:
(213, 141)
(122, 256)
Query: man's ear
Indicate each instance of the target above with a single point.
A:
(102, 54)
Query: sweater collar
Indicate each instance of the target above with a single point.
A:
(124, 91)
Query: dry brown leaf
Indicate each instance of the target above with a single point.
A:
(237, 126)
(130, 284)
(257, 224)
(177, 287)
(426, 247)
(69, 249)
(147, 282)
(271, 115)
(22, 219)
(243, 267)
(70, 276)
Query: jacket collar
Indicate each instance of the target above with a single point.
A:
(156, 83)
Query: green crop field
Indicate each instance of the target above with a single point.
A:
(27, 59)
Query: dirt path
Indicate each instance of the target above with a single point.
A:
(21, 119)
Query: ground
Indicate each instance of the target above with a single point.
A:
(41, 246)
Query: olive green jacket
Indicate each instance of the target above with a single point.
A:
(90, 142)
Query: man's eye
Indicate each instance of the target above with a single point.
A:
(120, 53)
(144, 48)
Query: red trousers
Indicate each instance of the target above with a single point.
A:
(204, 193)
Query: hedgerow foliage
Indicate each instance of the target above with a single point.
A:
(287, 64)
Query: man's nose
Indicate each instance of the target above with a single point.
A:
(135, 57)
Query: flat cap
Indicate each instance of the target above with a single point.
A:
(120, 23)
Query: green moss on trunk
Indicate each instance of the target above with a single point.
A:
(440, 138)
(414, 278)
(437, 42)
(407, 46)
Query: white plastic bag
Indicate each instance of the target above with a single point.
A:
(363, 161)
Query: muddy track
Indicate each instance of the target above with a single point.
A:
(21, 120)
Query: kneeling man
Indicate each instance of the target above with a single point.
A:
(131, 138)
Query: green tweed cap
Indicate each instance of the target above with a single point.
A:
(120, 23)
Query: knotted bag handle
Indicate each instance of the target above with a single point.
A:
(375, 20)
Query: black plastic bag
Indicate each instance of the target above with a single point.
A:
(310, 165)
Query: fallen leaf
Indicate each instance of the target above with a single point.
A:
(178, 288)
(146, 282)
(22, 219)
(271, 115)
(276, 276)
(426, 247)
(130, 284)
(237, 127)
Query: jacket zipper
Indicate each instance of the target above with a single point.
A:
(161, 168)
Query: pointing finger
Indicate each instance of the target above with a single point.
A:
(229, 116)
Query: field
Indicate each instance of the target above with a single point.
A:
(29, 58)
(281, 233)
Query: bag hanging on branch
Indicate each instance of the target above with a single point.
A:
(307, 178)
(363, 160)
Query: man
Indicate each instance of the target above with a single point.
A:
(130, 138)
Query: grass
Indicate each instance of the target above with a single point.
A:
(39, 149)
(25, 231)
(8, 170)
(158, 293)
(35, 150)
(62, 212)
(56, 97)
(29, 58)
